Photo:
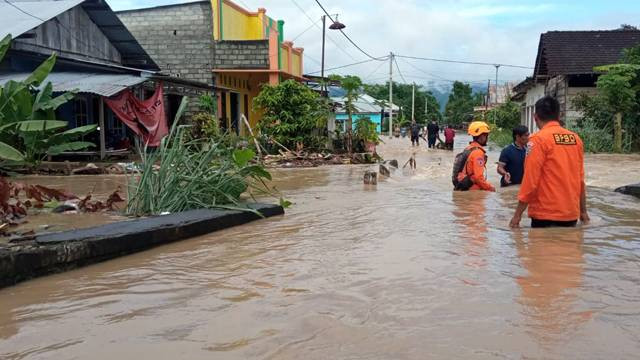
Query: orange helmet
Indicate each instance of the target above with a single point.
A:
(478, 128)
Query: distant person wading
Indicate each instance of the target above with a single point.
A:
(433, 130)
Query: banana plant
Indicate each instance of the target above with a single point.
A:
(28, 129)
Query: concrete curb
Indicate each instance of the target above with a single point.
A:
(66, 250)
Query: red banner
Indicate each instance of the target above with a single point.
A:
(145, 118)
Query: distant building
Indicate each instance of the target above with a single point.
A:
(564, 67)
(365, 107)
(222, 44)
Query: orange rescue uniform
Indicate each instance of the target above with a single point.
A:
(476, 167)
(553, 174)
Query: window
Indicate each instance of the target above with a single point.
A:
(81, 112)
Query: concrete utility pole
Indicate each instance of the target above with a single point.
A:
(494, 114)
(426, 107)
(323, 86)
(391, 94)
(413, 102)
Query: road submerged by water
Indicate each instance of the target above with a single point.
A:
(404, 270)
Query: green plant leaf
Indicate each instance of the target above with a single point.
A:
(41, 72)
(285, 203)
(8, 152)
(242, 157)
(81, 130)
(71, 146)
(4, 46)
(40, 125)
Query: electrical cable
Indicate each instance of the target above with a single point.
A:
(463, 62)
(319, 27)
(307, 29)
(345, 34)
(399, 72)
(348, 65)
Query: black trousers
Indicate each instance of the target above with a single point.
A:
(537, 223)
(432, 142)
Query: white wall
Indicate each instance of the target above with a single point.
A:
(533, 95)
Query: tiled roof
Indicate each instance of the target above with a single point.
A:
(578, 52)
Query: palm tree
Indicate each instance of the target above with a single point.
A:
(352, 85)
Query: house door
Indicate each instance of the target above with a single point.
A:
(235, 112)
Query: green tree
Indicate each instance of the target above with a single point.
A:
(617, 89)
(352, 85)
(479, 98)
(292, 114)
(505, 116)
(459, 108)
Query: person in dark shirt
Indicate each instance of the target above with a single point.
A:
(511, 162)
(415, 134)
(433, 131)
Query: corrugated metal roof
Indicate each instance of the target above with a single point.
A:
(99, 84)
(15, 18)
(364, 104)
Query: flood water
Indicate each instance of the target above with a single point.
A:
(404, 270)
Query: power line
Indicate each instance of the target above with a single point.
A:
(345, 34)
(374, 71)
(399, 72)
(348, 65)
(463, 62)
(307, 29)
(318, 26)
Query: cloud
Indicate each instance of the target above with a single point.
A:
(488, 11)
(505, 31)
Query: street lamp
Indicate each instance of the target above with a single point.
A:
(337, 25)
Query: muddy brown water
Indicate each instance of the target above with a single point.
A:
(404, 270)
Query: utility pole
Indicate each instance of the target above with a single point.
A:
(391, 94)
(413, 102)
(494, 113)
(487, 100)
(426, 107)
(323, 86)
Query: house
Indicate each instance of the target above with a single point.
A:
(564, 67)
(365, 107)
(97, 58)
(223, 44)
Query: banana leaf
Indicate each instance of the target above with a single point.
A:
(36, 125)
(4, 46)
(8, 152)
(72, 134)
(39, 74)
(71, 146)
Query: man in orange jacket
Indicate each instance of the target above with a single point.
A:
(553, 185)
(476, 166)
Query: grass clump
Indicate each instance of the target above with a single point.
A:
(185, 174)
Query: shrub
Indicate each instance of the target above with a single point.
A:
(293, 114)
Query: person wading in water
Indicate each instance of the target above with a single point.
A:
(469, 168)
(511, 162)
(553, 186)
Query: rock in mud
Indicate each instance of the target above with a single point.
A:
(393, 163)
(371, 178)
(384, 171)
(64, 208)
(633, 190)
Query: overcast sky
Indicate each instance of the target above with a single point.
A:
(493, 31)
